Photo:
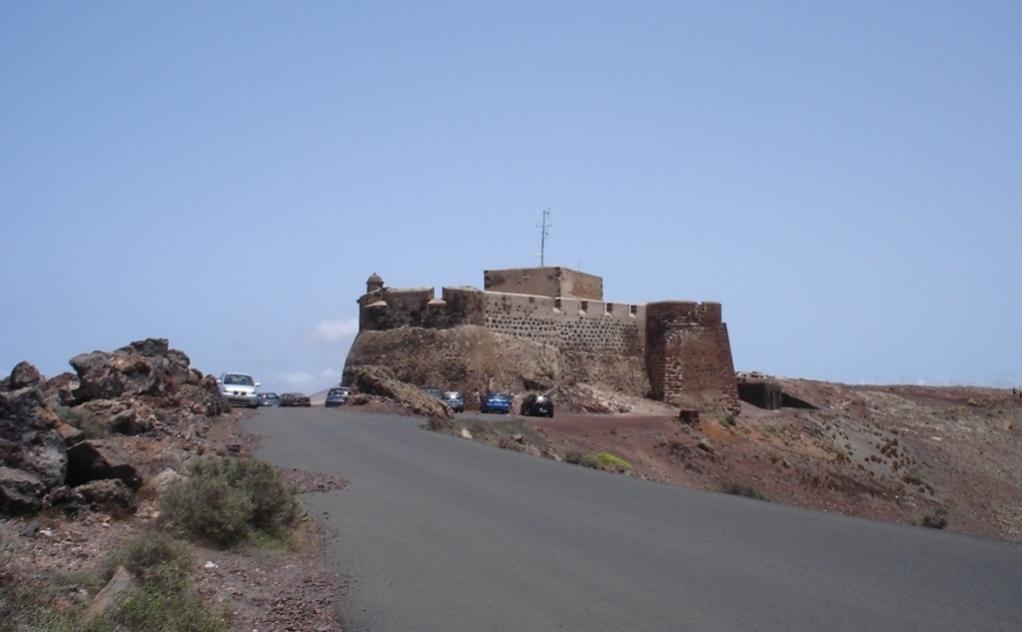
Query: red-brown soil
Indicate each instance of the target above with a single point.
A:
(892, 453)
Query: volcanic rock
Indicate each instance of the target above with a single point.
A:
(68, 500)
(29, 440)
(376, 380)
(157, 484)
(145, 367)
(92, 460)
(24, 374)
(20, 491)
(111, 595)
(108, 494)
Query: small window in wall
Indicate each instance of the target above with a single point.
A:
(633, 310)
(609, 309)
(557, 304)
(583, 308)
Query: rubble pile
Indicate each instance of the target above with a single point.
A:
(380, 381)
(89, 439)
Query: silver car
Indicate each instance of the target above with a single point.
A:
(239, 389)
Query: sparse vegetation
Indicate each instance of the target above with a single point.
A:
(738, 489)
(912, 477)
(223, 500)
(82, 419)
(599, 461)
(164, 598)
(152, 557)
(936, 520)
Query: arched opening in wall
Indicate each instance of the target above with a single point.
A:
(583, 308)
(608, 309)
(557, 305)
(633, 310)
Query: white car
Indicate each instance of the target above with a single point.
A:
(239, 389)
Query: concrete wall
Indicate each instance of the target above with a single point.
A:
(549, 281)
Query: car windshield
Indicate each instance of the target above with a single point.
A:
(337, 391)
(238, 380)
(500, 396)
(452, 395)
(270, 396)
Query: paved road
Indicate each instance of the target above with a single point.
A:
(442, 534)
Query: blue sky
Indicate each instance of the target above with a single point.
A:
(845, 178)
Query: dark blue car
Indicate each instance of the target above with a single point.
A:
(269, 399)
(496, 403)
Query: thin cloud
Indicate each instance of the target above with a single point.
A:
(335, 330)
(297, 378)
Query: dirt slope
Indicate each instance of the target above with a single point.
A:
(896, 453)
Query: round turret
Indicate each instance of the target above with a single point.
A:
(374, 283)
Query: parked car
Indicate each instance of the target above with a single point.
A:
(239, 389)
(295, 399)
(538, 406)
(269, 399)
(455, 401)
(495, 403)
(433, 392)
(336, 396)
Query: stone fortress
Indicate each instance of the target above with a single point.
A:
(673, 351)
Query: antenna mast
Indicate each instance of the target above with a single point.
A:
(544, 232)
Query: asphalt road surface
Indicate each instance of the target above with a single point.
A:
(442, 534)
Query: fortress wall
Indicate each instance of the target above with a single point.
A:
(391, 308)
(581, 285)
(550, 281)
(688, 356)
(464, 306)
(569, 324)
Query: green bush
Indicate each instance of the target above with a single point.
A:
(599, 461)
(164, 598)
(936, 520)
(222, 500)
(739, 489)
(155, 559)
(158, 608)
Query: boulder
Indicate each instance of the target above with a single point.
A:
(118, 416)
(376, 380)
(66, 499)
(69, 433)
(29, 439)
(109, 494)
(24, 374)
(111, 595)
(93, 460)
(145, 367)
(158, 483)
(20, 491)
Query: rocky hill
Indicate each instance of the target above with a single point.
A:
(931, 456)
(96, 436)
(473, 359)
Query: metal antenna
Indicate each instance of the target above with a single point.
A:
(544, 232)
